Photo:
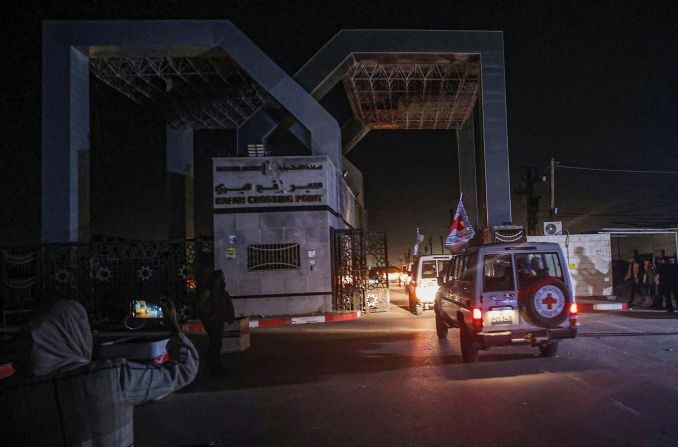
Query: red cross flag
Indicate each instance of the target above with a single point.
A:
(461, 230)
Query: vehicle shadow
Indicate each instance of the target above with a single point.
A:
(286, 359)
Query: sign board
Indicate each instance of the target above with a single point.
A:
(269, 182)
(230, 252)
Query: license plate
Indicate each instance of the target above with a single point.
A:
(501, 317)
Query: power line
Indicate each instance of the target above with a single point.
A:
(631, 171)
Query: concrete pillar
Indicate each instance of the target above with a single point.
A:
(180, 196)
(65, 142)
(495, 136)
(466, 153)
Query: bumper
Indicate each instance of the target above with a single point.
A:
(526, 336)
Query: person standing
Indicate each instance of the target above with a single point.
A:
(671, 284)
(216, 308)
(59, 396)
(661, 280)
(633, 274)
(649, 273)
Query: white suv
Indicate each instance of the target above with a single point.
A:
(505, 294)
(424, 284)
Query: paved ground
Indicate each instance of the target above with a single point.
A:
(386, 379)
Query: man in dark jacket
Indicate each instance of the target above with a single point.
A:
(670, 281)
(60, 397)
(633, 274)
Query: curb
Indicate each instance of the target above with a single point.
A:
(270, 322)
(590, 307)
(195, 326)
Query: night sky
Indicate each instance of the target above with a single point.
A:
(593, 83)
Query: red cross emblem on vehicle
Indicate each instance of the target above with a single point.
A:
(549, 301)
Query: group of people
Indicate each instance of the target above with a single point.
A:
(656, 285)
(59, 395)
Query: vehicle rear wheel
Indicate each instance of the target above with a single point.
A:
(441, 327)
(549, 349)
(469, 349)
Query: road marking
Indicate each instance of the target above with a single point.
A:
(614, 401)
(619, 326)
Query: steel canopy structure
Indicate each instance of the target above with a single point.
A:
(206, 90)
(413, 91)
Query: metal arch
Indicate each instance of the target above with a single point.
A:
(69, 46)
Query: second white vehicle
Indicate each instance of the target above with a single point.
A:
(424, 284)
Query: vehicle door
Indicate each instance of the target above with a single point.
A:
(499, 296)
(449, 285)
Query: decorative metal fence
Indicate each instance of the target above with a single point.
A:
(103, 276)
(360, 265)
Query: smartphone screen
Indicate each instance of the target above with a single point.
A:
(146, 309)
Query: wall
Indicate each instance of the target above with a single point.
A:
(590, 261)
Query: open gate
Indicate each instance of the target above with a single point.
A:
(360, 266)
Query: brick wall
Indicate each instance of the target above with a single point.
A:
(590, 261)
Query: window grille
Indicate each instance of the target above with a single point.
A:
(264, 257)
(255, 150)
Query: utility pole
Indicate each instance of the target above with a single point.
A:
(554, 210)
(430, 244)
(442, 246)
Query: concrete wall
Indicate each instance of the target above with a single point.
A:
(590, 261)
(281, 292)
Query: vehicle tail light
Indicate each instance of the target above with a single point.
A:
(573, 314)
(477, 316)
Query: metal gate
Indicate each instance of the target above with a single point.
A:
(360, 266)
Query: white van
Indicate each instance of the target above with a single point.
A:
(424, 284)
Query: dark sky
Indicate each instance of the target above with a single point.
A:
(590, 83)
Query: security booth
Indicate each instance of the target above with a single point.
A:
(273, 218)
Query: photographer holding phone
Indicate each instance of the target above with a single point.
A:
(216, 308)
(59, 396)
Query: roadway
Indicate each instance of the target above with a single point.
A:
(386, 379)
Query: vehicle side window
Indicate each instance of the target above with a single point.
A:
(534, 266)
(449, 275)
(497, 273)
(442, 266)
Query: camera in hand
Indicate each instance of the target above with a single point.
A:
(145, 309)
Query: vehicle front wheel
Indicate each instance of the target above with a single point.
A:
(549, 349)
(469, 349)
(441, 327)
